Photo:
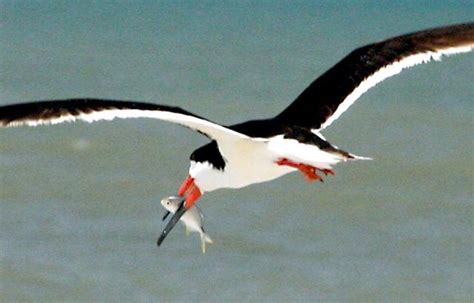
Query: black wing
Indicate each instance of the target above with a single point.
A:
(337, 89)
(90, 110)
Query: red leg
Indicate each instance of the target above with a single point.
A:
(310, 172)
(326, 171)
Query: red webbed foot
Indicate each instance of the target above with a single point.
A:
(310, 172)
(326, 171)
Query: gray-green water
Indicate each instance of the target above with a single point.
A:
(80, 209)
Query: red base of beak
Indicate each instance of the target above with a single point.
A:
(191, 192)
(189, 189)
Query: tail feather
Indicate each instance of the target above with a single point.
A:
(354, 157)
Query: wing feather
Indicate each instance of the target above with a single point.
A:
(337, 89)
(91, 110)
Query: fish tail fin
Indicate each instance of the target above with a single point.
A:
(205, 239)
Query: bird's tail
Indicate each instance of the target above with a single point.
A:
(354, 157)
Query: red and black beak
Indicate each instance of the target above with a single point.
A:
(192, 193)
(172, 222)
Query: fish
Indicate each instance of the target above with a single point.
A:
(192, 218)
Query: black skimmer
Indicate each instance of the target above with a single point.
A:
(262, 150)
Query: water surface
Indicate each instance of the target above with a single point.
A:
(80, 208)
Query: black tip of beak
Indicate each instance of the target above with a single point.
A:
(166, 215)
(174, 219)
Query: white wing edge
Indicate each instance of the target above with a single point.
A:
(213, 130)
(391, 70)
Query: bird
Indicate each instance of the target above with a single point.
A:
(262, 150)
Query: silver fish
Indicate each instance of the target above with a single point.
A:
(192, 218)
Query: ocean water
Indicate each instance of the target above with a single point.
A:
(79, 203)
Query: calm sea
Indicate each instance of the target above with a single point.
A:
(79, 203)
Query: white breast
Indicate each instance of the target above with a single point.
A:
(252, 161)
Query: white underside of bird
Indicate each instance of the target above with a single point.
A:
(250, 161)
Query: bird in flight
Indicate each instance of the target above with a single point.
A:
(262, 150)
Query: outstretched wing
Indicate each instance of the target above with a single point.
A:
(90, 110)
(336, 90)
